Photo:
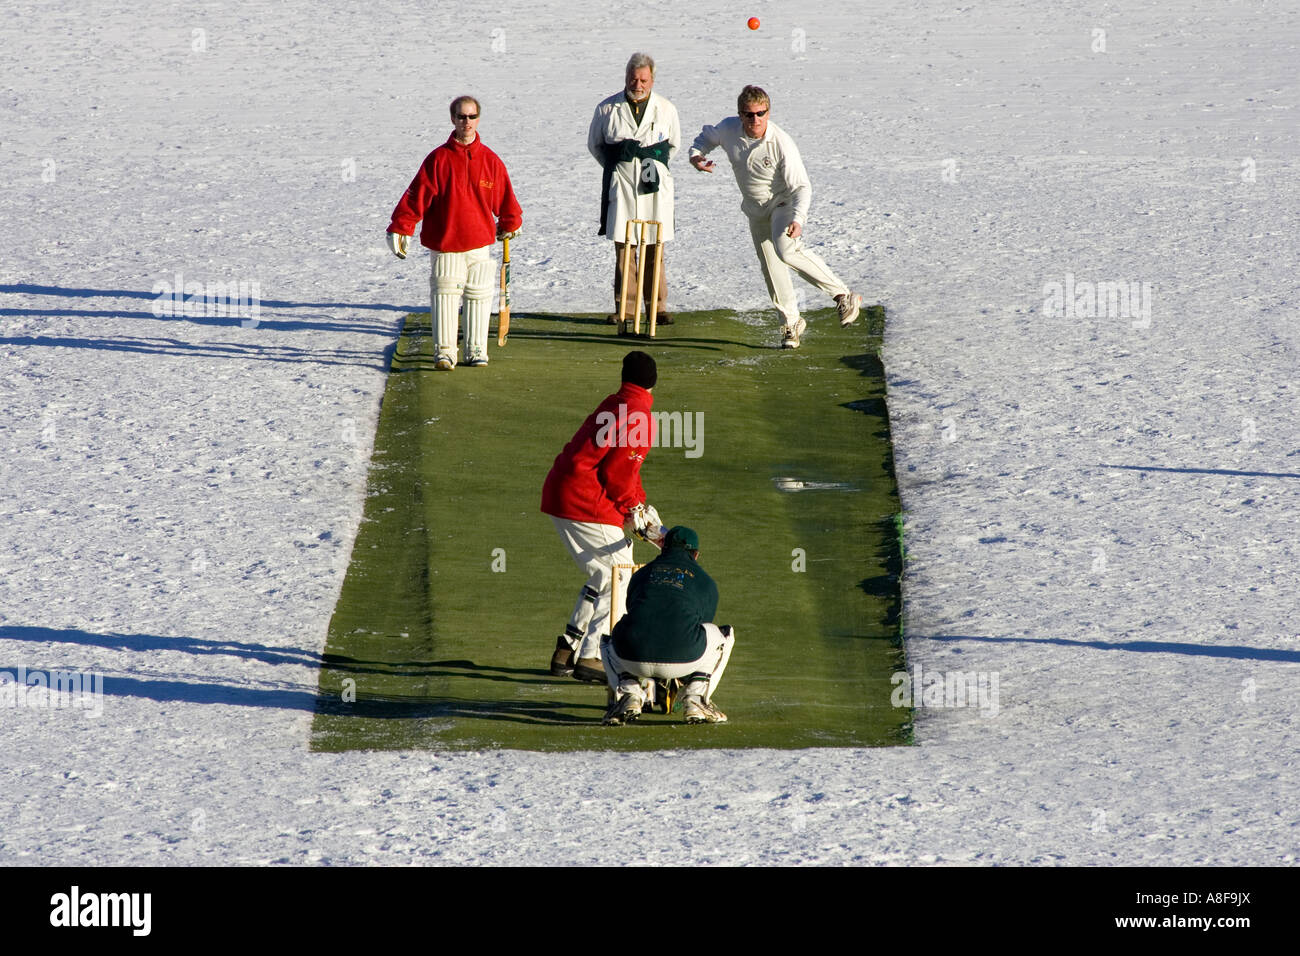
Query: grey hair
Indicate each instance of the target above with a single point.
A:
(637, 61)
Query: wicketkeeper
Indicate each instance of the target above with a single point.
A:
(668, 634)
(463, 193)
(594, 496)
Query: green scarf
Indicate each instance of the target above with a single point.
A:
(625, 151)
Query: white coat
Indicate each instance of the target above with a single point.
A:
(613, 123)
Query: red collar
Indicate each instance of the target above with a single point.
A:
(631, 389)
(463, 147)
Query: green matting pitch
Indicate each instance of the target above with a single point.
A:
(458, 585)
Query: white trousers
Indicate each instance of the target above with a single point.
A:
(717, 651)
(457, 275)
(595, 548)
(778, 254)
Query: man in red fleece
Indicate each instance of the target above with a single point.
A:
(594, 497)
(463, 193)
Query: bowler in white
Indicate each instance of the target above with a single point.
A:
(777, 194)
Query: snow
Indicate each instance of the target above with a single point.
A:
(1100, 511)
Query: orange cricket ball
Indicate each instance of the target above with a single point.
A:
(754, 23)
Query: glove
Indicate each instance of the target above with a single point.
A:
(398, 243)
(646, 525)
(652, 521)
(642, 517)
(507, 235)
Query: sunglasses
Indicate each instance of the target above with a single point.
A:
(466, 116)
(754, 114)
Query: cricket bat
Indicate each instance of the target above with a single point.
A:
(503, 322)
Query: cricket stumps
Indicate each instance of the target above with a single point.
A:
(636, 233)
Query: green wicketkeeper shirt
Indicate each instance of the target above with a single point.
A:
(668, 602)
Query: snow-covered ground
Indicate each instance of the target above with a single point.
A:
(1102, 508)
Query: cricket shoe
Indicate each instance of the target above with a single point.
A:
(790, 334)
(849, 305)
(476, 361)
(696, 706)
(697, 710)
(562, 659)
(624, 710)
(444, 363)
(590, 670)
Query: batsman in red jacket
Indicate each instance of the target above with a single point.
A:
(594, 497)
(463, 194)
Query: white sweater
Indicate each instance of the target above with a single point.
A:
(769, 171)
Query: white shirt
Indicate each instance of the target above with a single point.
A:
(769, 171)
(612, 122)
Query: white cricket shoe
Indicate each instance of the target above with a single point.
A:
(444, 363)
(476, 360)
(790, 334)
(700, 711)
(849, 306)
(624, 710)
(696, 706)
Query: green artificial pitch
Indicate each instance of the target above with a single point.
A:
(458, 585)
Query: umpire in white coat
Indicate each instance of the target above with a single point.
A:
(634, 135)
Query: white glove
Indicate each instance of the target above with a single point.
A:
(652, 522)
(398, 243)
(507, 235)
(646, 524)
(644, 516)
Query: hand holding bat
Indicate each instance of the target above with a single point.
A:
(503, 321)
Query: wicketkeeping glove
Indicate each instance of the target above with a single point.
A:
(398, 243)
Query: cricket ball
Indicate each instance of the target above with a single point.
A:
(754, 23)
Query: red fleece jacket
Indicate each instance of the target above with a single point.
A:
(460, 192)
(598, 475)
